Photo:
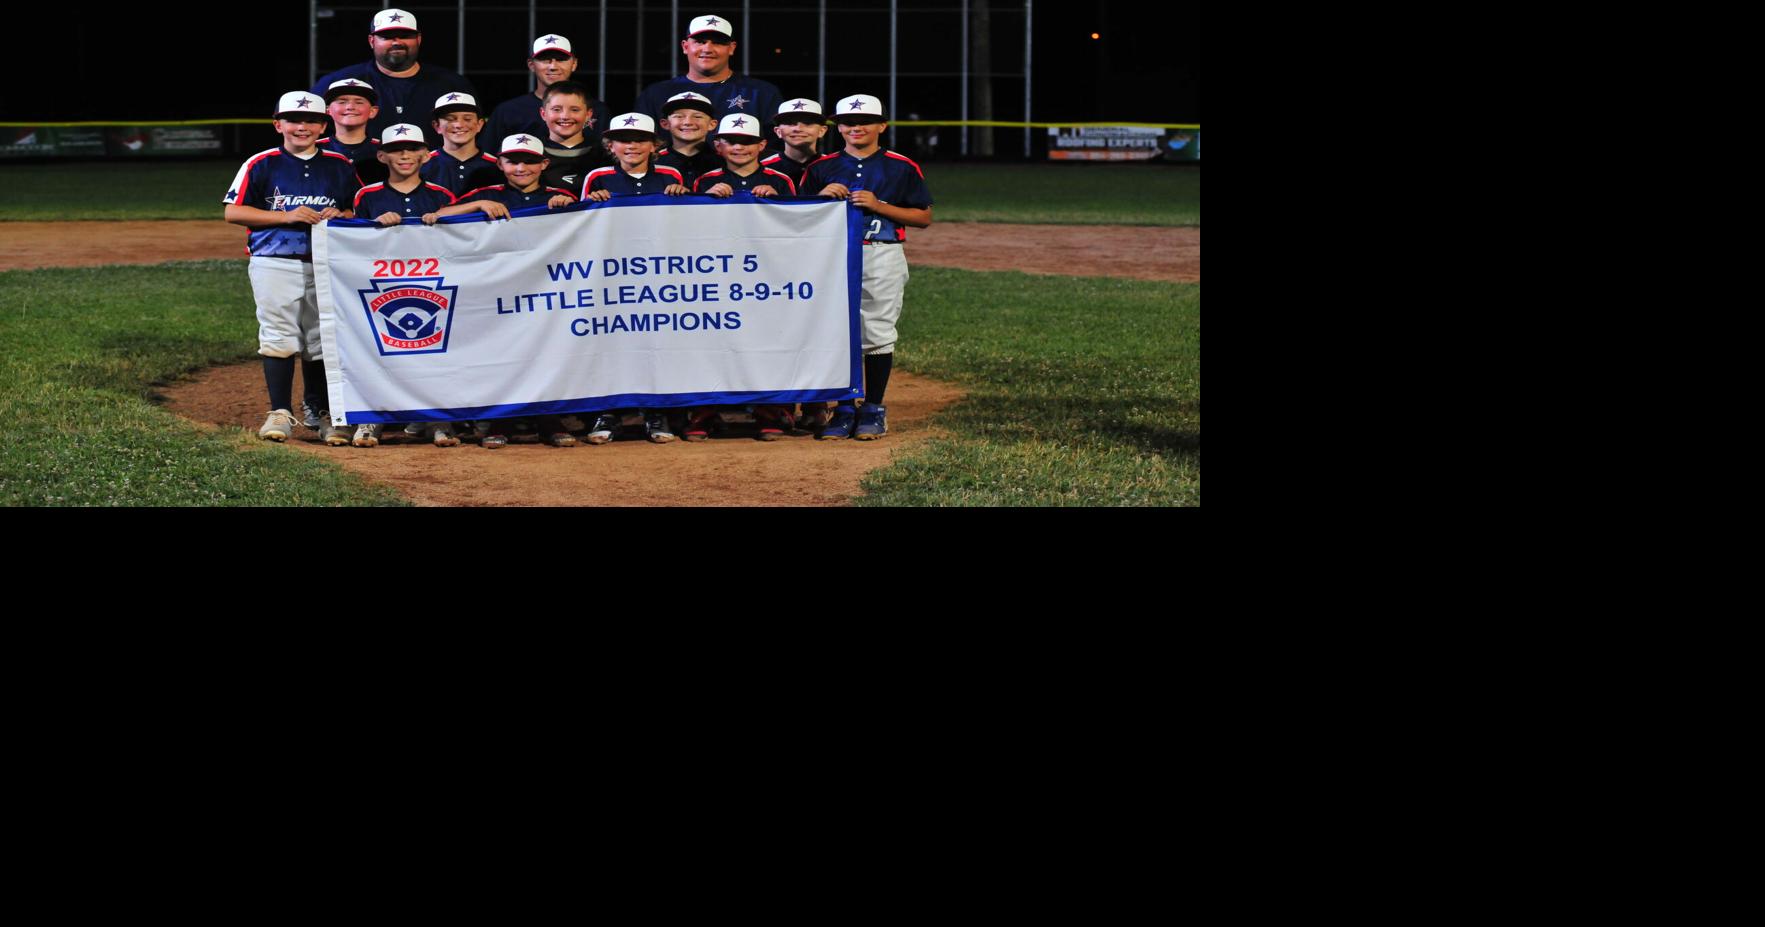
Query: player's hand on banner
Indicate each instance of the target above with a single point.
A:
(494, 209)
(764, 191)
(560, 201)
(600, 196)
(304, 215)
(721, 190)
(675, 189)
(864, 199)
(430, 217)
(837, 191)
(330, 212)
(392, 218)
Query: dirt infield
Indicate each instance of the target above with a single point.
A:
(1138, 252)
(726, 471)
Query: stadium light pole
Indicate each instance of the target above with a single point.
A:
(893, 106)
(1028, 12)
(965, 78)
(748, 46)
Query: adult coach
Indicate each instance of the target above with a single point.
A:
(407, 89)
(708, 46)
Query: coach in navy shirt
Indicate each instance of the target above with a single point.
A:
(407, 89)
(709, 43)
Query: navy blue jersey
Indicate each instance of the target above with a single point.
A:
(614, 180)
(403, 99)
(377, 199)
(513, 198)
(521, 116)
(367, 167)
(281, 181)
(690, 166)
(459, 176)
(783, 164)
(764, 177)
(738, 94)
(894, 178)
(569, 165)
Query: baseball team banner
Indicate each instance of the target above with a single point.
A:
(638, 302)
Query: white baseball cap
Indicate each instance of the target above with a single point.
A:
(739, 125)
(387, 20)
(401, 134)
(450, 102)
(688, 100)
(711, 24)
(801, 106)
(852, 108)
(360, 88)
(522, 143)
(630, 124)
(552, 43)
(299, 101)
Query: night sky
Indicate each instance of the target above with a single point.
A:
(200, 61)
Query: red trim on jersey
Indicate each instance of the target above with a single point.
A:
(451, 199)
(825, 157)
(343, 158)
(365, 191)
(588, 181)
(246, 183)
(471, 193)
(787, 180)
(908, 160)
(660, 169)
(565, 192)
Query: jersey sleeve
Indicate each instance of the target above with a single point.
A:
(238, 193)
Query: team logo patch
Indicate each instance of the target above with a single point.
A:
(413, 316)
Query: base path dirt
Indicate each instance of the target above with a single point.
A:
(726, 470)
(1137, 252)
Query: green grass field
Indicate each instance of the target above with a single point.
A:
(1071, 194)
(80, 351)
(1081, 391)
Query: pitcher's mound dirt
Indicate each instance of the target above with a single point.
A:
(794, 470)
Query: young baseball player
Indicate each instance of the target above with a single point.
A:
(573, 154)
(458, 165)
(800, 125)
(739, 143)
(351, 104)
(280, 194)
(631, 138)
(689, 123)
(891, 190)
(523, 161)
(404, 195)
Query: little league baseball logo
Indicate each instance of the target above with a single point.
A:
(410, 316)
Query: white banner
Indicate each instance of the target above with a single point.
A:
(639, 302)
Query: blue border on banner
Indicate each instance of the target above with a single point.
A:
(855, 226)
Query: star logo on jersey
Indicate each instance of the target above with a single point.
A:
(232, 195)
(412, 316)
(739, 102)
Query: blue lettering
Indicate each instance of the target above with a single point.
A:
(713, 320)
(640, 323)
(732, 320)
(500, 310)
(610, 267)
(689, 317)
(570, 270)
(584, 299)
(663, 318)
(627, 294)
(577, 327)
(600, 325)
(619, 324)
(677, 265)
(708, 293)
(646, 295)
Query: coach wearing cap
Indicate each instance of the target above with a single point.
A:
(708, 46)
(552, 61)
(407, 88)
